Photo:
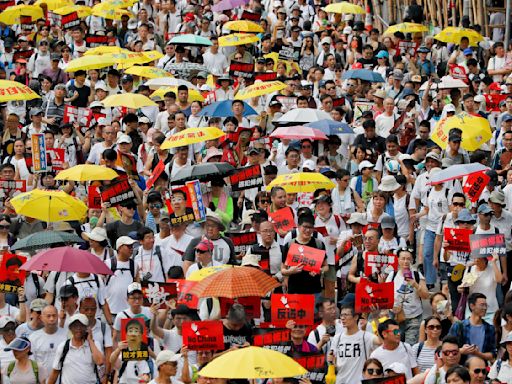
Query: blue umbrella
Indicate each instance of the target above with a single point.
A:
(363, 74)
(331, 127)
(223, 109)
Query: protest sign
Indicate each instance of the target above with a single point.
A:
(57, 158)
(96, 40)
(314, 363)
(288, 53)
(312, 258)
(242, 240)
(299, 308)
(457, 239)
(82, 116)
(475, 185)
(157, 171)
(179, 205)
(368, 295)
(128, 163)
(252, 306)
(70, 20)
(203, 335)
(134, 331)
(283, 219)
(360, 107)
(492, 102)
(158, 293)
(398, 379)
(183, 288)
(247, 177)
(265, 76)
(239, 69)
(196, 198)
(487, 245)
(252, 16)
(458, 72)
(39, 155)
(269, 337)
(409, 47)
(288, 102)
(26, 23)
(93, 197)
(22, 55)
(377, 263)
(10, 188)
(11, 276)
(117, 192)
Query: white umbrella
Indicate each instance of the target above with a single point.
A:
(168, 82)
(447, 82)
(303, 115)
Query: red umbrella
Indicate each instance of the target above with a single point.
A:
(66, 259)
(299, 132)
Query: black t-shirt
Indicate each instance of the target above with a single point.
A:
(377, 144)
(368, 63)
(118, 228)
(83, 96)
(239, 337)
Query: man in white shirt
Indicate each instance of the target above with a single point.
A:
(385, 122)
(496, 66)
(108, 133)
(151, 260)
(215, 61)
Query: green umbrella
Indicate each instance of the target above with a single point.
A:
(45, 239)
(191, 40)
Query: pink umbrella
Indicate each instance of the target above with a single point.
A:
(66, 259)
(299, 132)
(224, 5)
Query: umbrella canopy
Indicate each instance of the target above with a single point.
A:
(224, 5)
(67, 259)
(406, 28)
(105, 50)
(129, 100)
(253, 363)
(223, 109)
(303, 115)
(447, 82)
(54, 4)
(189, 39)
(168, 82)
(203, 172)
(475, 131)
(260, 88)
(298, 132)
(192, 136)
(81, 10)
(363, 74)
(454, 34)
(301, 182)
(12, 15)
(456, 171)
(85, 63)
(237, 39)
(193, 94)
(345, 7)
(236, 282)
(127, 59)
(243, 26)
(49, 206)
(45, 239)
(331, 127)
(110, 11)
(14, 91)
(147, 72)
(87, 172)
(203, 273)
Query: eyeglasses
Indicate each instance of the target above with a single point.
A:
(136, 298)
(129, 245)
(342, 315)
(374, 371)
(480, 371)
(395, 332)
(330, 88)
(434, 327)
(155, 206)
(306, 146)
(453, 352)
(5, 226)
(200, 251)
(458, 204)
(307, 227)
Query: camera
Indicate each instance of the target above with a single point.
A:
(146, 277)
(330, 330)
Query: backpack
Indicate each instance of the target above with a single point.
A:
(113, 268)
(416, 277)
(73, 282)
(65, 351)
(35, 369)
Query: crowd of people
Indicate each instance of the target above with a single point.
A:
(451, 321)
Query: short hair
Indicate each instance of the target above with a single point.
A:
(130, 118)
(306, 218)
(474, 297)
(425, 123)
(291, 149)
(7, 165)
(450, 340)
(274, 190)
(136, 323)
(369, 124)
(109, 154)
(472, 62)
(392, 139)
(341, 173)
(143, 232)
(385, 324)
(179, 191)
(170, 94)
(419, 143)
(182, 88)
(236, 314)
(459, 370)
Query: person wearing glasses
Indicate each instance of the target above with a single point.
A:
(425, 350)
(372, 369)
(446, 357)
(501, 370)
(40, 59)
(478, 370)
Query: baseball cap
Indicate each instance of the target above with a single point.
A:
(166, 357)
(365, 164)
(80, 318)
(124, 139)
(100, 85)
(464, 217)
(97, 234)
(4, 320)
(387, 222)
(326, 40)
(275, 103)
(416, 79)
(144, 120)
(55, 57)
(37, 305)
(127, 79)
(96, 104)
(124, 240)
(484, 209)
(205, 245)
(134, 287)
(309, 164)
(36, 111)
(454, 138)
(506, 117)
(449, 108)
(398, 74)
(468, 51)
(434, 156)
(495, 86)
(67, 291)
(382, 55)
(357, 217)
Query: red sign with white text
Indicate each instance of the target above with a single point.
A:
(282, 219)
(370, 294)
(475, 185)
(184, 296)
(457, 239)
(312, 258)
(376, 263)
(299, 308)
(160, 167)
(203, 335)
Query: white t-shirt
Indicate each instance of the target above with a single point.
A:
(496, 63)
(90, 287)
(9, 310)
(117, 285)
(78, 366)
(44, 345)
(145, 313)
(411, 302)
(437, 203)
(384, 124)
(96, 152)
(403, 353)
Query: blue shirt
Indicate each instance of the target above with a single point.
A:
(461, 330)
(477, 335)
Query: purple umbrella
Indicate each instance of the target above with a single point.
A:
(224, 5)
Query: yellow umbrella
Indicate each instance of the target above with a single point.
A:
(345, 7)
(119, 3)
(105, 50)
(193, 94)
(54, 4)
(130, 58)
(252, 363)
(147, 72)
(129, 100)
(202, 273)
(12, 15)
(192, 136)
(49, 206)
(89, 62)
(12, 91)
(237, 39)
(87, 172)
(475, 131)
(454, 34)
(109, 11)
(153, 55)
(301, 182)
(81, 10)
(243, 26)
(406, 28)
(260, 88)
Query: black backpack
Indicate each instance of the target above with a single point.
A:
(113, 268)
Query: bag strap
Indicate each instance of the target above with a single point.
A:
(65, 351)
(37, 285)
(420, 347)
(159, 255)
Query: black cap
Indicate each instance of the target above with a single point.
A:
(348, 300)
(113, 72)
(127, 79)
(68, 291)
(454, 138)
(261, 60)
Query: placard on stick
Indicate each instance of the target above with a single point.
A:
(299, 308)
(117, 192)
(11, 276)
(134, 331)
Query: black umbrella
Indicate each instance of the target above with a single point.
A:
(203, 172)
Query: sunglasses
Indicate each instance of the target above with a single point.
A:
(453, 352)
(155, 206)
(5, 226)
(478, 371)
(374, 371)
(436, 327)
(395, 332)
(264, 201)
(200, 251)
(131, 207)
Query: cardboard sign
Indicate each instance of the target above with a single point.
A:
(203, 335)
(70, 20)
(128, 163)
(458, 72)
(376, 263)
(242, 240)
(370, 294)
(400, 379)
(492, 102)
(312, 258)
(487, 245)
(57, 157)
(93, 197)
(315, 365)
(246, 178)
(360, 107)
(158, 293)
(288, 53)
(157, 171)
(134, 331)
(252, 306)
(11, 276)
(96, 41)
(409, 47)
(11, 188)
(239, 69)
(265, 76)
(475, 185)
(263, 337)
(299, 308)
(457, 239)
(39, 156)
(183, 288)
(283, 219)
(117, 192)
(196, 198)
(252, 16)
(82, 116)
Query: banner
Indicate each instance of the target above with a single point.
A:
(183, 288)
(39, 159)
(487, 245)
(457, 239)
(399, 379)
(299, 308)
(268, 337)
(370, 294)
(252, 306)
(157, 171)
(96, 41)
(239, 69)
(82, 116)
(242, 240)
(158, 293)
(10, 188)
(360, 107)
(117, 192)
(203, 335)
(57, 157)
(409, 47)
(265, 76)
(283, 219)
(312, 258)
(252, 16)
(93, 197)
(196, 197)
(246, 178)
(138, 340)
(26, 23)
(54, 19)
(492, 102)
(315, 365)
(475, 185)
(377, 263)
(11, 276)
(70, 20)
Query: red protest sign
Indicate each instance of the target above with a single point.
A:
(283, 219)
(57, 157)
(399, 379)
(93, 197)
(11, 276)
(246, 178)
(251, 304)
(117, 192)
(158, 293)
(312, 258)
(138, 340)
(475, 185)
(457, 239)
(203, 335)
(179, 205)
(9, 188)
(492, 102)
(409, 47)
(315, 365)
(370, 294)
(458, 72)
(270, 336)
(239, 69)
(299, 308)
(157, 171)
(375, 262)
(265, 76)
(242, 240)
(252, 16)
(96, 41)
(183, 287)
(82, 116)
(485, 245)
(6, 4)
(70, 20)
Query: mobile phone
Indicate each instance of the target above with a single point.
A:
(407, 274)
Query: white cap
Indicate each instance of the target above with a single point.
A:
(250, 260)
(100, 85)
(134, 287)
(124, 240)
(205, 88)
(124, 139)
(97, 234)
(82, 49)
(479, 98)
(309, 164)
(449, 108)
(79, 317)
(166, 357)
(365, 164)
(347, 30)
(326, 40)
(144, 120)
(96, 104)
(4, 320)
